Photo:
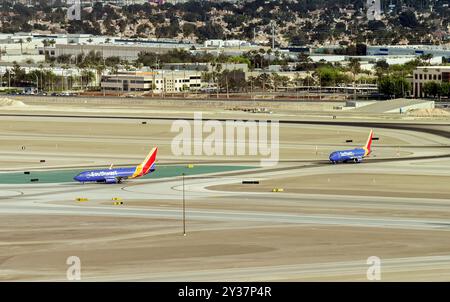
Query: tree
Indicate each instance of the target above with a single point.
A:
(330, 76)
(432, 89)
(239, 60)
(375, 25)
(21, 45)
(408, 19)
(394, 86)
(426, 58)
(278, 80)
(233, 80)
(381, 68)
(189, 29)
(445, 89)
(88, 77)
(19, 74)
(354, 66)
(361, 49)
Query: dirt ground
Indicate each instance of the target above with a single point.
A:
(114, 247)
(391, 185)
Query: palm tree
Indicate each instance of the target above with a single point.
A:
(52, 76)
(262, 52)
(63, 78)
(269, 53)
(355, 68)
(89, 76)
(41, 66)
(100, 69)
(218, 69)
(21, 45)
(277, 53)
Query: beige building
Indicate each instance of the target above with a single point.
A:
(161, 81)
(426, 74)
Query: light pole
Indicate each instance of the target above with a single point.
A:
(37, 82)
(184, 209)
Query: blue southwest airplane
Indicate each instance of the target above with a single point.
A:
(353, 155)
(112, 176)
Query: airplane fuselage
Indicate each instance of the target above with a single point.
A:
(351, 155)
(108, 175)
(116, 175)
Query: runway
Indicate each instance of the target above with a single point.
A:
(394, 206)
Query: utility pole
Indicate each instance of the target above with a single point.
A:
(273, 34)
(226, 78)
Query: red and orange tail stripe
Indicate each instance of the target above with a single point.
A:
(145, 166)
(149, 161)
(368, 145)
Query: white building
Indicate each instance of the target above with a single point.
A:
(128, 52)
(374, 10)
(217, 43)
(161, 81)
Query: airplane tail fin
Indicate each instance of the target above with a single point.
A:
(147, 164)
(368, 144)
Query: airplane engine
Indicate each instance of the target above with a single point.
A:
(111, 180)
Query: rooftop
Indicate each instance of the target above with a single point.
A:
(434, 67)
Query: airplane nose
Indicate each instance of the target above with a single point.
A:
(77, 178)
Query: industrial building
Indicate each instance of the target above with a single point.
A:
(408, 50)
(125, 52)
(208, 67)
